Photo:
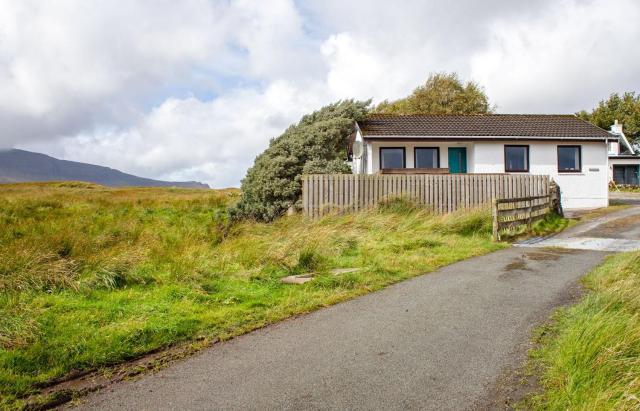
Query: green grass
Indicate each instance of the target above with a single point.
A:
(549, 224)
(589, 357)
(91, 277)
(624, 188)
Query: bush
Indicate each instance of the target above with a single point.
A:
(317, 144)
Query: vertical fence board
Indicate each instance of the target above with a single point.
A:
(322, 194)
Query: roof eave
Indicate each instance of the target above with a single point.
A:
(444, 138)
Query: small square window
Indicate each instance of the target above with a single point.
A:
(427, 157)
(392, 157)
(516, 158)
(569, 159)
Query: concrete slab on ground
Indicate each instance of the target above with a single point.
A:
(615, 232)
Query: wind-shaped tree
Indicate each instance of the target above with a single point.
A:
(317, 144)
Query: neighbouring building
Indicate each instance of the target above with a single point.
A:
(571, 151)
(624, 160)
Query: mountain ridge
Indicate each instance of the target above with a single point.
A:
(17, 166)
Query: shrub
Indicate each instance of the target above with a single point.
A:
(317, 144)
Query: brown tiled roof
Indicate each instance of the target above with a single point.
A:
(545, 126)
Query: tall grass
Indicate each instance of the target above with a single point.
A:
(590, 355)
(91, 276)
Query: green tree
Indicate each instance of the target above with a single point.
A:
(443, 93)
(317, 144)
(625, 108)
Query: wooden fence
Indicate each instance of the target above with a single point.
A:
(509, 213)
(338, 193)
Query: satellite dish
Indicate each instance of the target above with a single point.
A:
(357, 149)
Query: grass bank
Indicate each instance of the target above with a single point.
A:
(91, 276)
(589, 357)
(625, 188)
(549, 224)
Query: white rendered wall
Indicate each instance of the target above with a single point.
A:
(585, 189)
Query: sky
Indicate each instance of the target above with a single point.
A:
(195, 89)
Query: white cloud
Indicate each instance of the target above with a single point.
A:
(194, 89)
(359, 69)
(563, 60)
(212, 141)
(68, 65)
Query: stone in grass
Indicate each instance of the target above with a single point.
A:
(340, 271)
(297, 279)
(303, 278)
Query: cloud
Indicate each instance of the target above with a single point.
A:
(190, 139)
(195, 89)
(562, 60)
(69, 65)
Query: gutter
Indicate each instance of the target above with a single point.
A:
(485, 138)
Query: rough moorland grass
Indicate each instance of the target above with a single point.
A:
(589, 358)
(549, 224)
(91, 276)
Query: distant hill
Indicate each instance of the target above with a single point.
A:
(25, 166)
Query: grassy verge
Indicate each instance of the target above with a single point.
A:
(624, 188)
(589, 357)
(91, 276)
(550, 224)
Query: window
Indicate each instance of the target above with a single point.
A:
(516, 158)
(625, 174)
(427, 157)
(569, 160)
(392, 157)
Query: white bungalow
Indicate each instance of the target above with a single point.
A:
(573, 152)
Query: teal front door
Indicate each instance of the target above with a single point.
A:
(457, 159)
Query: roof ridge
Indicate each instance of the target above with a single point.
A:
(472, 115)
(540, 125)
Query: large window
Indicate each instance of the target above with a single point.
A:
(625, 174)
(392, 157)
(427, 157)
(516, 158)
(569, 160)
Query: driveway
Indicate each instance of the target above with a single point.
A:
(439, 341)
(618, 231)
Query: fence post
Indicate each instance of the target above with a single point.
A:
(494, 208)
(529, 211)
